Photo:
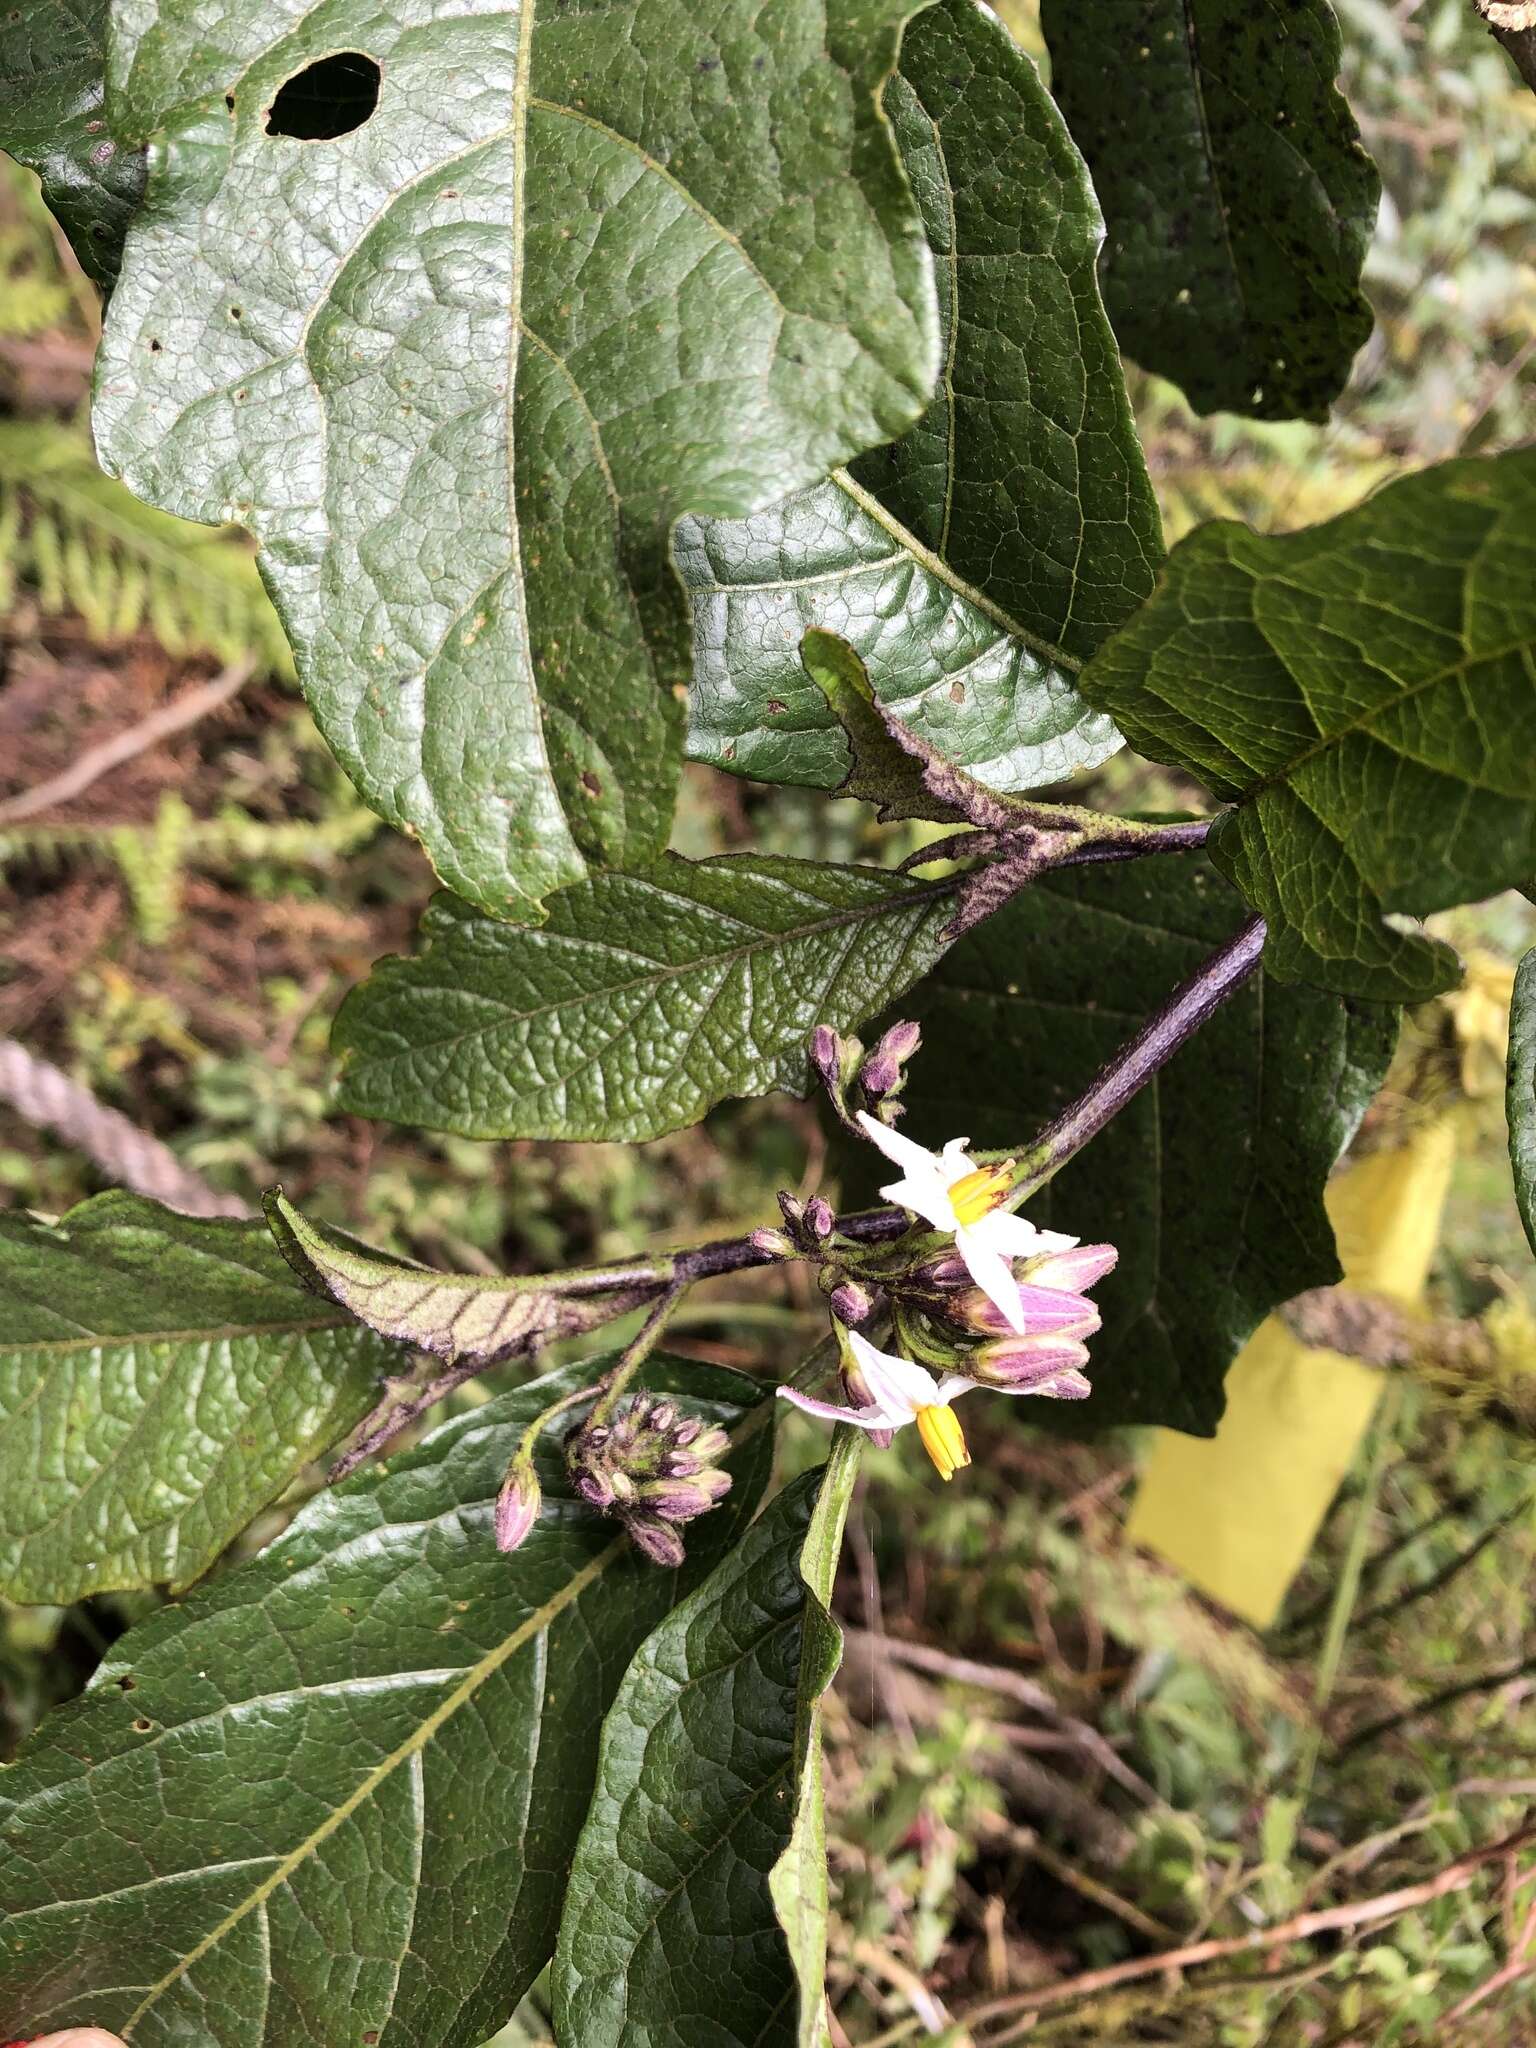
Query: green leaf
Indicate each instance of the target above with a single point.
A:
(642, 1002)
(1240, 200)
(670, 1935)
(162, 1378)
(1362, 691)
(456, 1317)
(1211, 1179)
(1521, 1093)
(882, 772)
(421, 1717)
(978, 562)
(52, 80)
(461, 368)
(798, 1881)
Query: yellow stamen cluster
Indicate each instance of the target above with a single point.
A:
(978, 1194)
(943, 1439)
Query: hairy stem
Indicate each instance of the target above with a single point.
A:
(1134, 1065)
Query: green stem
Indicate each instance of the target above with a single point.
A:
(545, 1417)
(635, 1353)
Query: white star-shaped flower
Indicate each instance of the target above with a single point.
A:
(901, 1392)
(950, 1191)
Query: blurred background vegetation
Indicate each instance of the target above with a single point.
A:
(1048, 1756)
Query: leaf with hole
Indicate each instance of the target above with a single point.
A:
(162, 1378)
(1020, 1017)
(52, 83)
(643, 1000)
(461, 357)
(420, 1714)
(1239, 198)
(1364, 694)
(975, 564)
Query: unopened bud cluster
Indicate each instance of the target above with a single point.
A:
(651, 1467)
(854, 1081)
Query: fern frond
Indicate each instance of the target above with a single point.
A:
(86, 546)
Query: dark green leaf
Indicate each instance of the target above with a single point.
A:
(980, 560)
(162, 1378)
(461, 368)
(52, 78)
(1365, 692)
(670, 1937)
(642, 1002)
(1239, 198)
(1521, 1096)
(420, 1717)
(1210, 1181)
(798, 1880)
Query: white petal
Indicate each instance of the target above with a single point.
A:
(1015, 1237)
(955, 1161)
(926, 1198)
(953, 1385)
(896, 1385)
(993, 1275)
(905, 1152)
(830, 1411)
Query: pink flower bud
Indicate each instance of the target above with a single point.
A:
(819, 1217)
(881, 1072)
(851, 1303)
(773, 1244)
(517, 1505)
(1071, 1271)
(1025, 1364)
(655, 1539)
(1047, 1312)
(857, 1393)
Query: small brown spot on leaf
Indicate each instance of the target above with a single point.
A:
(590, 783)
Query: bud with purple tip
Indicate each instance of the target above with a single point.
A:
(882, 1074)
(819, 1217)
(517, 1504)
(851, 1303)
(652, 1468)
(1027, 1365)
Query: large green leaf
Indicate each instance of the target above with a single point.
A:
(979, 561)
(670, 1937)
(1521, 1096)
(1239, 199)
(644, 1000)
(419, 1716)
(162, 1378)
(1365, 692)
(461, 368)
(52, 80)
(1210, 1181)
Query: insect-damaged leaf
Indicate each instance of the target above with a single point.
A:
(976, 563)
(1020, 1017)
(52, 80)
(644, 1000)
(1239, 198)
(420, 1715)
(162, 1378)
(1365, 694)
(461, 366)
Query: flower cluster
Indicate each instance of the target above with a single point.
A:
(652, 1467)
(1007, 1308)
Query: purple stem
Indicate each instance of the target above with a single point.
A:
(1144, 1055)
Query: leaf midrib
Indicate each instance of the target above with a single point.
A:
(851, 914)
(206, 1333)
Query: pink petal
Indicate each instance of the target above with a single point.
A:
(832, 1411)
(1074, 1270)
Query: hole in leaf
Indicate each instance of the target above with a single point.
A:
(327, 99)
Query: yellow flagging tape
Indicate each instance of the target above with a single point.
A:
(1237, 1513)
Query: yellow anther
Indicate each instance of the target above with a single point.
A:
(943, 1439)
(978, 1194)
